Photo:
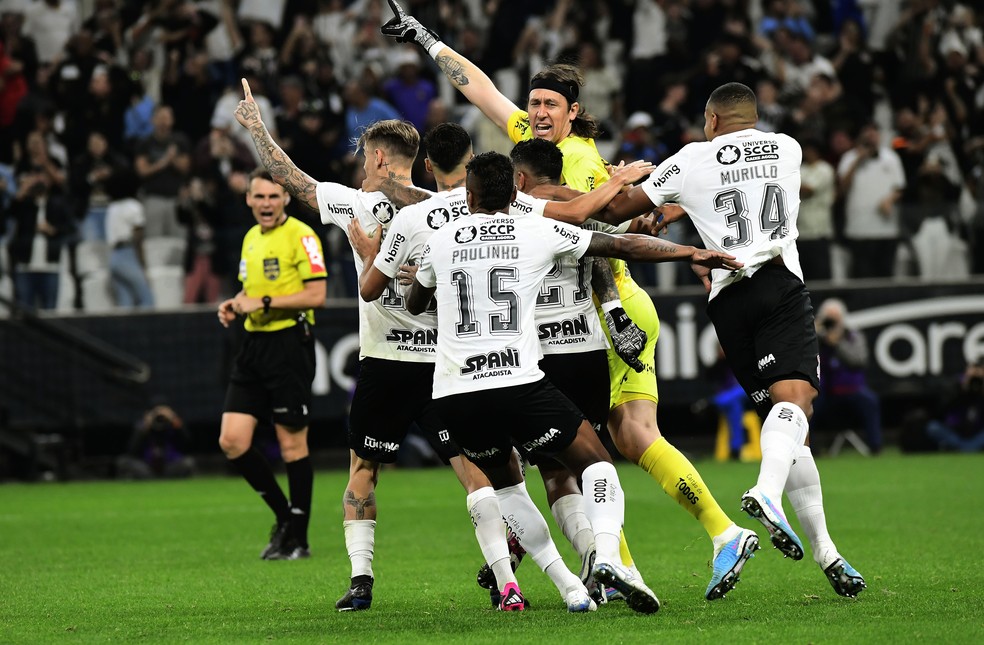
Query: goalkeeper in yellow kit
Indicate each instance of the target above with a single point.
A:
(553, 113)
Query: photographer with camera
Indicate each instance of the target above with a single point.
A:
(844, 392)
(158, 447)
(961, 427)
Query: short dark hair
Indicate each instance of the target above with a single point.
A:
(541, 157)
(260, 173)
(490, 175)
(446, 145)
(733, 95)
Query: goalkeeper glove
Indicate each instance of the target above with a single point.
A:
(407, 29)
(627, 339)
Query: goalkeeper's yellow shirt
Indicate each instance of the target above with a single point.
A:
(278, 263)
(584, 170)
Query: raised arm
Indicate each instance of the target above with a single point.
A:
(463, 74)
(298, 183)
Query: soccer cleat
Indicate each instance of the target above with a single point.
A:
(278, 535)
(512, 598)
(595, 590)
(485, 577)
(844, 578)
(729, 561)
(358, 596)
(291, 550)
(579, 600)
(761, 508)
(638, 596)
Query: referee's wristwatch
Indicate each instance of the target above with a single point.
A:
(266, 304)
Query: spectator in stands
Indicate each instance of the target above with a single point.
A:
(602, 91)
(125, 222)
(50, 23)
(38, 157)
(856, 71)
(960, 426)
(670, 121)
(197, 212)
(844, 393)
(88, 175)
(818, 189)
(191, 90)
(13, 88)
(162, 163)
(407, 90)
(42, 222)
(363, 109)
(871, 181)
(158, 447)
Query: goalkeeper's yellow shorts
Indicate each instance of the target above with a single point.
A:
(626, 383)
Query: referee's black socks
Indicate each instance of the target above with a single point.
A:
(256, 470)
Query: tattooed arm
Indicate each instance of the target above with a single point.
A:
(297, 182)
(603, 281)
(398, 194)
(476, 86)
(650, 249)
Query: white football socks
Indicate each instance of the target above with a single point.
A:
(568, 512)
(806, 498)
(360, 541)
(604, 507)
(783, 432)
(486, 516)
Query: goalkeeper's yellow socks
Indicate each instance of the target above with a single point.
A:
(682, 482)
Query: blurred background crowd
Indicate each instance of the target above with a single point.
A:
(122, 169)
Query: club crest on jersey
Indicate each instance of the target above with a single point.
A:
(728, 154)
(383, 212)
(271, 268)
(438, 218)
(465, 234)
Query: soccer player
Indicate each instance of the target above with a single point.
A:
(486, 271)
(741, 188)
(553, 113)
(564, 312)
(395, 347)
(283, 274)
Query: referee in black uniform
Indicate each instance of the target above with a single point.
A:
(282, 269)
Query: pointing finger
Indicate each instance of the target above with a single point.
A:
(397, 9)
(246, 92)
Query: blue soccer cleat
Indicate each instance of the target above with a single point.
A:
(761, 508)
(729, 561)
(844, 578)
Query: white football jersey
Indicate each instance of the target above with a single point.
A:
(386, 329)
(742, 192)
(488, 270)
(566, 320)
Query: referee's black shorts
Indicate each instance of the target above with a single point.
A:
(272, 376)
(765, 326)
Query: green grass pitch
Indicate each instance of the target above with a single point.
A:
(177, 562)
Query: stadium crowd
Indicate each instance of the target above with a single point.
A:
(123, 173)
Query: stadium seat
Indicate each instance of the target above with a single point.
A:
(97, 295)
(91, 255)
(164, 251)
(167, 285)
